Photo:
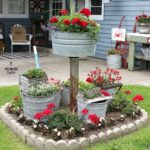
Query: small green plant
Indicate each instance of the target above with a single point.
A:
(43, 89)
(64, 120)
(17, 102)
(89, 91)
(143, 18)
(35, 73)
(113, 52)
(122, 103)
(66, 83)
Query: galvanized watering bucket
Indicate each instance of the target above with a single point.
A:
(65, 96)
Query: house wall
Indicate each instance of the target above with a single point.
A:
(27, 22)
(113, 12)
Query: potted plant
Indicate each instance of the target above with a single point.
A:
(74, 34)
(92, 99)
(143, 21)
(113, 58)
(108, 80)
(31, 77)
(38, 97)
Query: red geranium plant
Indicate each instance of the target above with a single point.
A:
(104, 78)
(143, 18)
(74, 21)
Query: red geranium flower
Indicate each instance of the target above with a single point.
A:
(137, 98)
(94, 119)
(16, 98)
(83, 23)
(105, 93)
(127, 92)
(75, 21)
(38, 116)
(64, 12)
(66, 22)
(47, 112)
(89, 80)
(118, 78)
(85, 11)
(84, 111)
(51, 106)
(53, 20)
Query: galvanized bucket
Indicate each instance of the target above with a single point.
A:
(73, 44)
(33, 105)
(24, 83)
(65, 96)
(99, 107)
(114, 61)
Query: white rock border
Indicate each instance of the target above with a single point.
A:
(76, 144)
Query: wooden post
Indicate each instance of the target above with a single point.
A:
(131, 56)
(74, 77)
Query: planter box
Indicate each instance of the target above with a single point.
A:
(114, 61)
(24, 83)
(65, 96)
(33, 105)
(144, 28)
(96, 106)
(73, 44)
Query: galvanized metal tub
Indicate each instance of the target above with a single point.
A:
(114, 61)
(99, 107)
(65, 96)
(24, 82)
(33, 105)
(73, 44)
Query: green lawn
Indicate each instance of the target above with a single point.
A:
(139, 140)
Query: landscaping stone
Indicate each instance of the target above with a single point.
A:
(131, 127)
(124, 129)
(93, 139)
(62, 145)
(102, 136)
(109, 134)
(40, 143)
(73, 145)
(84, 142)
(31, 139)
(116, 132)
(138, 123)
(24, 134)
(50, 145)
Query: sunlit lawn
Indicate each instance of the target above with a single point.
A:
(139, 140)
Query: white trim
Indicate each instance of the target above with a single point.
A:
(95, 17)
(5, 11)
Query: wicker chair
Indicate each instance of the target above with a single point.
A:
(18, 36)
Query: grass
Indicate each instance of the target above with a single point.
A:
(138, 140)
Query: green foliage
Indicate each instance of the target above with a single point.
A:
(122, 103)
(43, 89)
(17, 102)
(35, 73)
(64, 120)
(89, 91)
(92, 28)
(113, 52)
(66, 83)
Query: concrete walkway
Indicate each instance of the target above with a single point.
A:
(58, 67)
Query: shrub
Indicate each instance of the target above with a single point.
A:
(35, 73)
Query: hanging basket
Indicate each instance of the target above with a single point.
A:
(73, 44)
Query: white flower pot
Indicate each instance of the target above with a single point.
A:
(73, 44)
(114, 61)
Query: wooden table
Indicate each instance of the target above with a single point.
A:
(133, 38)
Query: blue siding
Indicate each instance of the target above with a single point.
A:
(113, 12)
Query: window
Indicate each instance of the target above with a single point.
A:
(96, 7)
(0, 6)
(14, 8)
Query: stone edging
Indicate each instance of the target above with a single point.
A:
(76, 144)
